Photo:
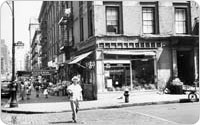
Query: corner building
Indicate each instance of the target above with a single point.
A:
(119, 44)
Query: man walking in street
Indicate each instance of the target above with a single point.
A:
(74, 91)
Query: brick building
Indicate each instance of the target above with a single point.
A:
(117, 44)
(35, 51)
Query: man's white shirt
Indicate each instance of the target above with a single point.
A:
(76, 90)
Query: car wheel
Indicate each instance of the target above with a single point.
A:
(192, 97)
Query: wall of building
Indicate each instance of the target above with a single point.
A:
(76, 23)
(166, 17)
(164, 65)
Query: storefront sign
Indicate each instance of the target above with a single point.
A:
(43, 72)
(120, 70)
(90, 64)
(107, 74)
(109, 83)
(107, 66)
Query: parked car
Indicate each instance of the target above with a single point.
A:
(5, 88)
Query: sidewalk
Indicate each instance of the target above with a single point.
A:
(105, 100)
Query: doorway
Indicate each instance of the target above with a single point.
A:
(185, 66)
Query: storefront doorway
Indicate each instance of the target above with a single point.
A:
(185, 66)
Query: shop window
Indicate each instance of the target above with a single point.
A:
(143, 74)
(117, 76)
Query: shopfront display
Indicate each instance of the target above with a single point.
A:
(136, 73)
(117, 76)
(143, 74)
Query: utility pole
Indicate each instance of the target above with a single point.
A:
(13, 92)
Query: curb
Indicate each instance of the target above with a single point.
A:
(100, 107)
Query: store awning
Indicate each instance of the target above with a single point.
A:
(79, 57)
(128, 52)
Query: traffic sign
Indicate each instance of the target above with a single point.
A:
(19, 43)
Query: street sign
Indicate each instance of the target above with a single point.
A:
(19, 43)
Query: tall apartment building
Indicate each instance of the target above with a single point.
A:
(56, 38)
(115, 44)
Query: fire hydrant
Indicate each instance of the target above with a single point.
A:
(126, 95)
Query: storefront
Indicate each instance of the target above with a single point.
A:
(128, 69)
(136, 63)
(83, 65)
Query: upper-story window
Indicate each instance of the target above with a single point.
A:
(182, 18)
(150, 21)
(113, 17)
(81, 29)
(90, 18)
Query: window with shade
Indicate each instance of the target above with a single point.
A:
(180, 20)
(148, 20)
(112, 19)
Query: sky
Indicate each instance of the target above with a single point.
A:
(24, 10)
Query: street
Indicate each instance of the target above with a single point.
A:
(166, 114)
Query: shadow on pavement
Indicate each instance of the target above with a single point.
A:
(61, 122)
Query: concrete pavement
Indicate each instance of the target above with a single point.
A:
(105, 100)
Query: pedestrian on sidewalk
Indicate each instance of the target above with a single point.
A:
(74, 92)
(45, 87)
(37, 87)
(28, 89)
(22, 90)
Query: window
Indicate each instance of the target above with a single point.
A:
(81, 29)
(148, 20)
(112, 19)
(180, 20)
(90, 20)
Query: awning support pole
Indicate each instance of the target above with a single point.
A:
(81, 65)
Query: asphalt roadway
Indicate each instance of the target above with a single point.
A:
(166, 114)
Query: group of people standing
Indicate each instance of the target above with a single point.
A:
(25, 88)
(41, 86)
(74, 91)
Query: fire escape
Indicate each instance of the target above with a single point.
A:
(43, 42)
(66, 24)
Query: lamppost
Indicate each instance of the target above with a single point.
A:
(13, 87)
